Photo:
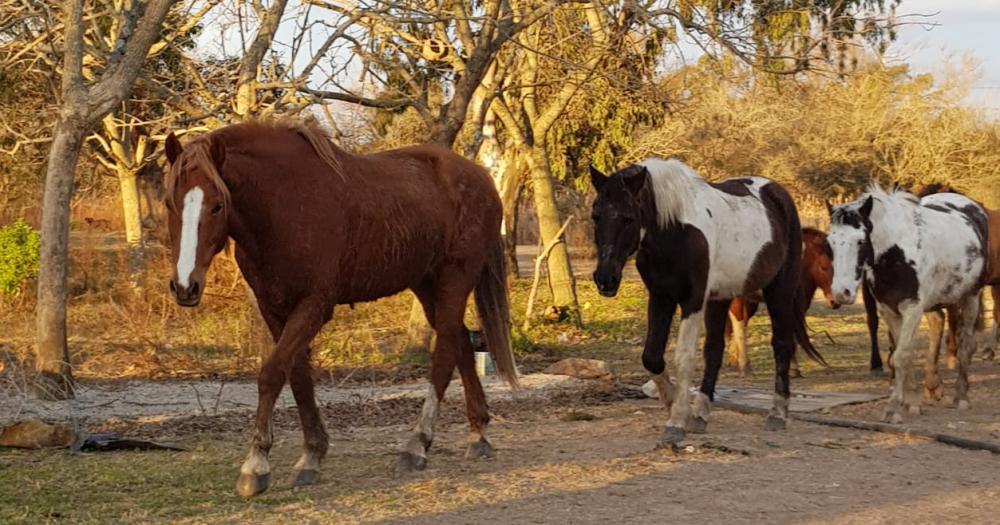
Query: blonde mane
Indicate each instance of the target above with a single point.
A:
(197, 154)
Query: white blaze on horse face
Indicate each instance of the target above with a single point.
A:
(190, 217)
(845, 242)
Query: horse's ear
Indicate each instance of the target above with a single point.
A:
(173, 147)
(829, 207)
(218, 150)
(866, 208)
(597, 179)
(635, 180)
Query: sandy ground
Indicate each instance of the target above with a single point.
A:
(574, 451)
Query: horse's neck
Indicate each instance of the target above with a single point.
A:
(893, 224)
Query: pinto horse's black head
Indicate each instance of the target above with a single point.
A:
(621, 209)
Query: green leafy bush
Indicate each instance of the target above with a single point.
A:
(19, 246)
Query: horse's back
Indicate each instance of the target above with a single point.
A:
(951, 247)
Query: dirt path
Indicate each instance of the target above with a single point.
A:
(570, 452)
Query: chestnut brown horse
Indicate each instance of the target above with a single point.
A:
(315, 227)
(817, 272)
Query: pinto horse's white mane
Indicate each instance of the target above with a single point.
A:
(893, 195)
(674, 185)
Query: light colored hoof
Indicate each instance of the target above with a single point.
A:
(795, 373)
(248, 485)
(697, 425)
(304, 477)
(964, 405)
(480, 449)
(914, 410)
(672, 436)
(891, 416)
(952, 362)
(409, 462)
(989, 354)
(775, 423)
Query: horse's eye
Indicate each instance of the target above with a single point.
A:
(216, 209)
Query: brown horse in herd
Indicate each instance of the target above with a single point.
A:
(817, 272)
(315, 227)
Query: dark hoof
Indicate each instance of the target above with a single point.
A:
(697, 425)
(672, 436)
(410, 463)
(480, 449)
(252, 484)
(304, 477)
(989, 354)
(876, 372)
(775, 423)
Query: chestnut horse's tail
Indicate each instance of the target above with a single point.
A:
(494, 313)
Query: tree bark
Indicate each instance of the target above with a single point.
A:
(561, 281)
(55, 379)
(80, 110)
(133, 224)
(246, 87)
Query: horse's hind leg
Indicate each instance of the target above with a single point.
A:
(993, 340)
(933, 387)
(301, 327)
(316, 442)
(966, 318)
(448, 303)
(781, 308)
(715, 320)
(475, 401)
(953, 337)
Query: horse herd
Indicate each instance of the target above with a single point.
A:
(314, 227)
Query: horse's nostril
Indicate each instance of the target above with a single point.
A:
(193, 291)
(173, 286)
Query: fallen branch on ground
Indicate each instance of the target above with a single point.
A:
(888, 428)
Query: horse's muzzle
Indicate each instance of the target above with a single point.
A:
(189, 296)
(607, 282)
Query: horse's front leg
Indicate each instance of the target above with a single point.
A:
(966, 321)
(660, 313)
(904, 384)
(715, 320)
(301, 327)
(686, 355)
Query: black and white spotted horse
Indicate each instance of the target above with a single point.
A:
(699, 245)
(917, 255)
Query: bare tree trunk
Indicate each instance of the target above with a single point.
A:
(80, 109)
(133, 224)
(561, 281)
(55, 379)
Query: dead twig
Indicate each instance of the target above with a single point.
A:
(542, 255)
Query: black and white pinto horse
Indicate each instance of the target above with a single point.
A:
(917, 255)
(700, 245)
